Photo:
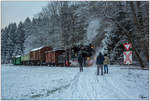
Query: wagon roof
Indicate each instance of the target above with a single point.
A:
(18, 56)
(37, 48)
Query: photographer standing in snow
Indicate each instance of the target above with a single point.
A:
(80, 60)
(99, 63)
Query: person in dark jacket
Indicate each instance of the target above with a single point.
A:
(80, 60)
(99, 63)
(84, 58)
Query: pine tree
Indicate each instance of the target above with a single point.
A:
(12, 38)
(28, 27)
(4, 42)
(20, 39)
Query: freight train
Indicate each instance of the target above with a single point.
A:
(56, 57)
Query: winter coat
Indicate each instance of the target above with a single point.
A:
(100, 60)
(106, 60)
(80, 59)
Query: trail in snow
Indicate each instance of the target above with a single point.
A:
(68, 83)
(87, 85)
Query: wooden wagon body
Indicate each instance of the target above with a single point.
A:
(37, 56)
(16, 60)
(55, 57)
(25, 59)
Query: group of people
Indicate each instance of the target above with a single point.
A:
(101, 62)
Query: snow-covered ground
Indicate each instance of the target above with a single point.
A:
(42, 82)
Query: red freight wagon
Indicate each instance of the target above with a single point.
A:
(55, 57)
(37, 56)
(48, 57)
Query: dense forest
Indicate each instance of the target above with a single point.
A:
(105, 24)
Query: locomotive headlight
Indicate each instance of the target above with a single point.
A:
(88, 58)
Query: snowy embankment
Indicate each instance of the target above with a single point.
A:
(35, 82)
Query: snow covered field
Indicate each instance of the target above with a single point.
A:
(35, 82)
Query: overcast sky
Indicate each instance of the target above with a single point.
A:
(16, 11)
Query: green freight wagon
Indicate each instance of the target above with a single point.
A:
(17, 60)
(25, 59)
